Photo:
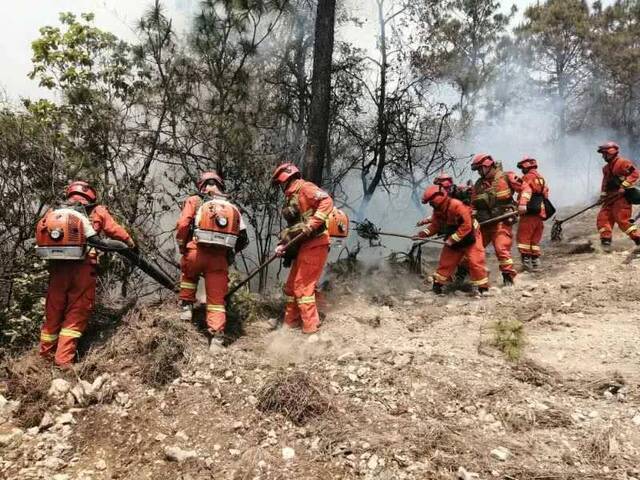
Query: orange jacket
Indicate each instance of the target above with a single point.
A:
(620, 172)
(532, 184)
(314, 205)
(184, 226)
(452, 214)
(492, 196)
(102, 221)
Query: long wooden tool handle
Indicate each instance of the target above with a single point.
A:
(499, 218)
(258, 269)
(606, 201)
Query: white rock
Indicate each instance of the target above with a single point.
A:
(234, 452)
(14, 437)
(47, 421)
(161, 437)
(59, 388)
(61, 476)
(54, 463)
(464, 475)
(176, 454)
(228, 374)
(237, 425)
(636, 420)
(101, 465)
(65, 419)
(288, 454)
(501, 453)
(99, 382)
(372, 464)
(182, 436)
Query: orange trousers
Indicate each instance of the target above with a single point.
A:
(70, 299)
(300, 288)
(473, 256)
(618, 212)
(501, 237)
(211, 263)
(530, 231)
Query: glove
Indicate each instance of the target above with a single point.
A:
(280, 250)
(130, 243)
(450, 242)
(182, 250)
(522, 209)
(422, 234)
(425, 221)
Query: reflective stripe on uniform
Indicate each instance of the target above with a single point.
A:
(632, 228)
(455, 237)
(321, 216)
(475, 223)
(481, 282)
(535, 248)
(503, 193)
(522, 246)
(216, 308)
(48, 337)
(188, 285)
(504, 263)
(626, 184)
(289, 299)
(306, 300)
(526, 195)
(69, 332)
(603, 229)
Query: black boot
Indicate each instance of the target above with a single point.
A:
(526, 263)
(606, 244)
(507, 279)
(438, 289)
(461, 275)
(535, 264)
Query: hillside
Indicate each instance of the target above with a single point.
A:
(399, 384)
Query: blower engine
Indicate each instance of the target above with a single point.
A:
(217, 223)
(62, 235)
(338, 224)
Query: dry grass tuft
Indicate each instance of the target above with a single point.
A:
(508, 337)
(295, 395)
(528, 371)
(601, 446)
(523, 420)
(28, 381)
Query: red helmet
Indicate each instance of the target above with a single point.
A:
(284, 172)
(482, 160)
(609, 147)
(444, 180)
(82, 192)
(527, 163)
(207, 177)
(434, 194)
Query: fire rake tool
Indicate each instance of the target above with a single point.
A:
(367, 230)
(264, 265)
(556, 230)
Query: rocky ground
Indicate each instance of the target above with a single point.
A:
(540, 381)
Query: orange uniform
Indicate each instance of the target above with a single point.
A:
(71, 294)
(531, 227)
(618, 174)
(492, 196)
(314, 206)
(209, 261)
(464, 242)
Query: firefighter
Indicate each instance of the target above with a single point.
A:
(311, 206)
(454, 219)
(491, 196)
(62, 236)
(532, 210)
(619, 175)
(459, 192)
(209, 232)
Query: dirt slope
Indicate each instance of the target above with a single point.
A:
(415, 386)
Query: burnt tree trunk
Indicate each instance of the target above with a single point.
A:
(318, 136)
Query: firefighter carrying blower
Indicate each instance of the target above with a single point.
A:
(62, 237)
(492, 196)
(534, 208)
(619, 176)
(210, 231)
(307, 211)
(454, 219)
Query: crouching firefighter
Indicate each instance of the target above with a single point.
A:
(492, 196)
(619, 177)
(62, 237)
(307, 209)
(210, 231)
(534, 208)
(454, 219)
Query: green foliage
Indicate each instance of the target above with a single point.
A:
(509, 338)
(21, 320)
